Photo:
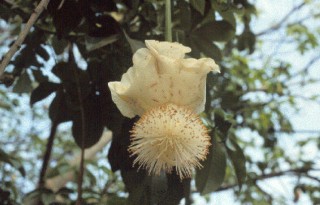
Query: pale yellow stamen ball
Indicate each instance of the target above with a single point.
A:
(169, 137)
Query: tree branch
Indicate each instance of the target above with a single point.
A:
(298, 171)
(38, 10)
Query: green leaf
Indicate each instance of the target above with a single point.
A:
(238, 160)
(4, 157)
(198, 5)
(184, 15)
(39, 76)
(47, 197)
(58, 45)
(42, 52)
(93, 122)
(225, 11)
(42, 91)
(177, 189)
(208, 48)
(134, 44)
(246, 40)
(58, 110)
(221, 121)
(93, 43)
(116, 200)
(60, 169)
(215, 31)
(63, 71)
(23, 85)
(159, 188)
(211, 176)
(65, 18)
(136, 183)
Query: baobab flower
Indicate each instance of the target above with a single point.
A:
(168, 92)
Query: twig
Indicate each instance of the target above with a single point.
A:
(282, 21)
(34, 16)
(307, 67)
(47, 154)
(297, 171)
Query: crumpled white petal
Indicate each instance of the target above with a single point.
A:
(161, 75)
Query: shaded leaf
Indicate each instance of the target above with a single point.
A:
(238, 160)
(176, 190)
(137, 185)
(198, 5)
(96, 43)
(159, 188)
(225, 11)
(41, 51)
(4, 157)
(42, 91)
(221, 122)
(39, 76)
(93, 123)
(116, 200)
(58, 110)
(65, 16)
(62, 71)
(215, 31)
(211, 176)
(103, 5)
(246, 40)
(118, 154)
(184, 15)
(134, 44)
(208, 48)
(103, 26)
(59, 45)
(23, 84)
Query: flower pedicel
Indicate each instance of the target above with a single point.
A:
(168, 92)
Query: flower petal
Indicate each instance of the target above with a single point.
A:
(168, 49)
(160, 75)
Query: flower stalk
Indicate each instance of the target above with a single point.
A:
(168, 21)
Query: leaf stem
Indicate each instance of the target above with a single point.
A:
(83, 123)
(168, 22)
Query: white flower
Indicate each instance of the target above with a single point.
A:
(161, 75)
(169, 136)
(167, 91)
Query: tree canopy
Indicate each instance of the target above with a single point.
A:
(55, 102)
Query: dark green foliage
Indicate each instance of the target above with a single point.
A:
(42, 91)
(238, 160)
(211, 176)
